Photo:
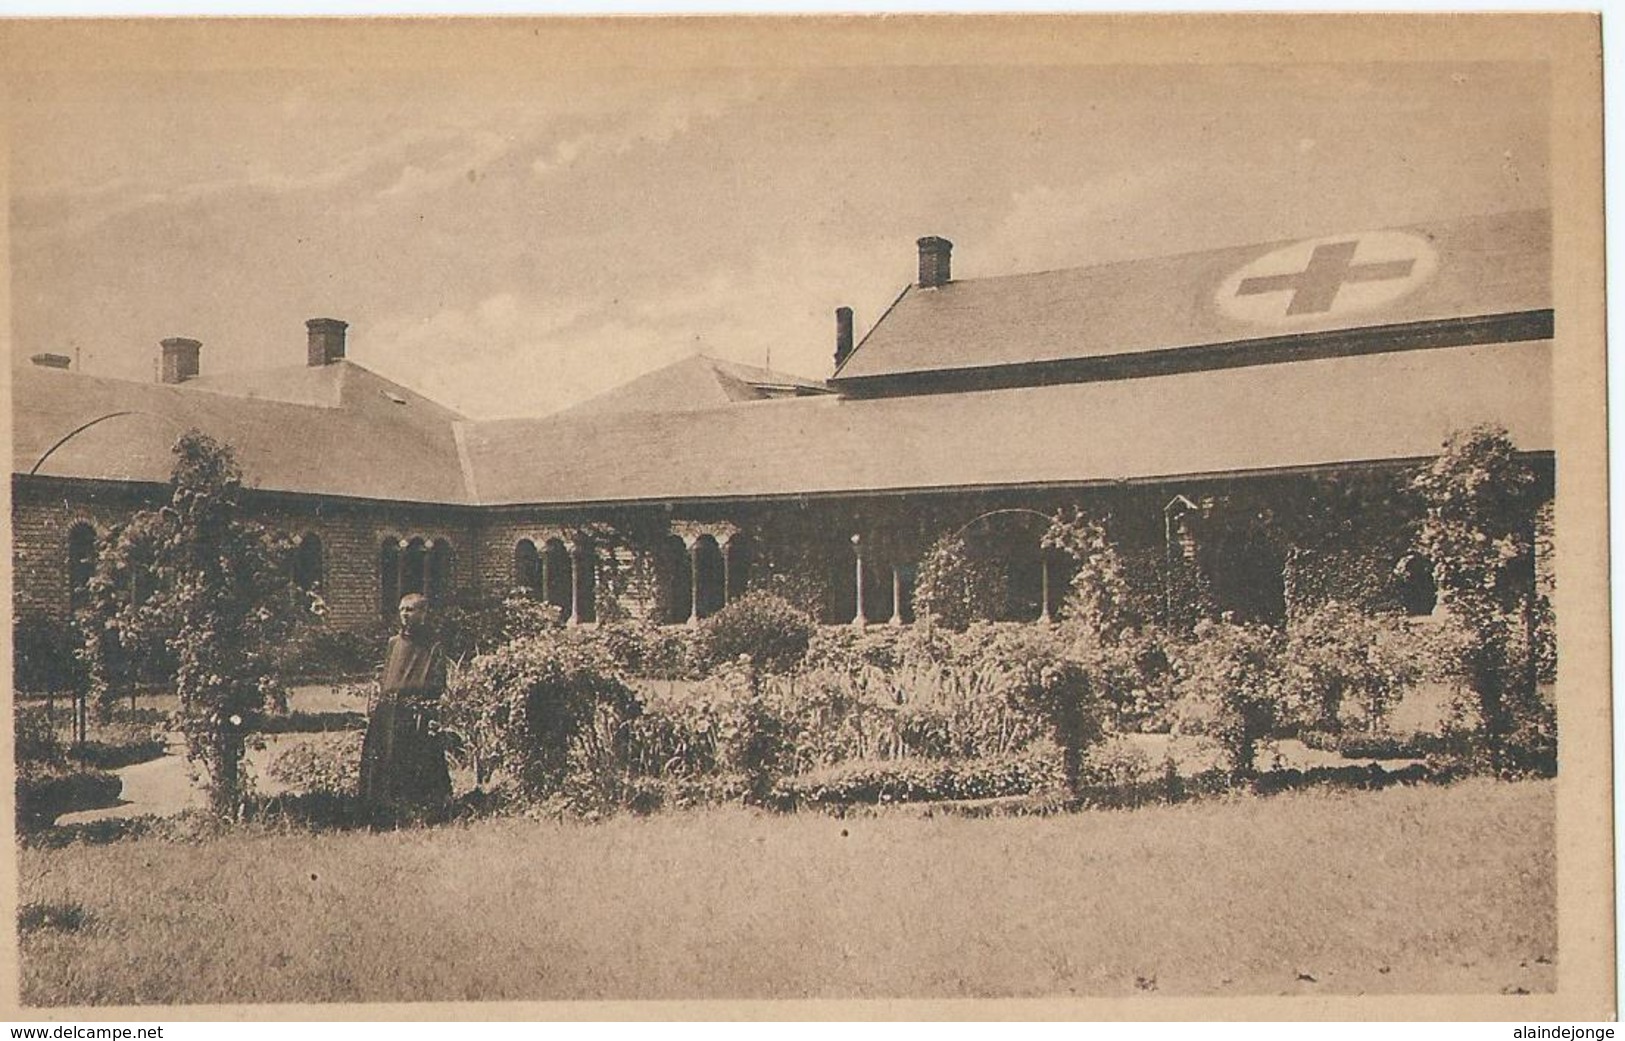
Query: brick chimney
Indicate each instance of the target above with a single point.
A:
(843, 335)
(177, 360)
(326, 340)
(51, 361)
(934, 257)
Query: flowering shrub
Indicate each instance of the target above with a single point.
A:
(321, 763)
(641, 648)
(760, 627)
(469, 627)
(1066, 693)
(322, 650)
(34, 739)
(1230, 683)
(1342, 663)
(735, 722)
(552, 710)
(43, 654)
(1100, 599)
(1479, 533)
(954, 588)
(214, 592)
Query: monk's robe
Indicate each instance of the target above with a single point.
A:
(402, 760)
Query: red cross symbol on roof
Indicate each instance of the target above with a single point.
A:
(1330, 267)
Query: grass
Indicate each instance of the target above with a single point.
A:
(1405, 890)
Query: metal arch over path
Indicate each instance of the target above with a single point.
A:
(76, 431)
(1044, 616)
(996, 513)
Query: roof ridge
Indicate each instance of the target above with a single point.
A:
(1145, 258)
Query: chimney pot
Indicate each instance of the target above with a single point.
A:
(326, 340)
(178, 359)
(935, 254)
(843, 335)
(52, 361)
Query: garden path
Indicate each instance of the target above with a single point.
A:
(164, 786)
(159, 787)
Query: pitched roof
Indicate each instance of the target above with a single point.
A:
(695, 382)
(701, 429)
(338, 384)
(1489, 265)
(378, 441)
(1391, 406)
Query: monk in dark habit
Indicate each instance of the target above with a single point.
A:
(403, 767)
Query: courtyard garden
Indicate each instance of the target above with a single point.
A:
(1115, 801)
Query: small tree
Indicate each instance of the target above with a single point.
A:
(209, 588)
(1479, 532)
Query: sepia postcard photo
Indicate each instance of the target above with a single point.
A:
(807, 518)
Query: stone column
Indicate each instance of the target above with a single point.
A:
(575, 583)
(1043, 565)
(723, 542)
(896, 595)
(542, 566)
(693, 544)
(858, 620)
(400, 574)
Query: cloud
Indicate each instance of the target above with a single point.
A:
(1047, 228)
(648, 124)
(464, 159)
(75, 210)
(512, 355)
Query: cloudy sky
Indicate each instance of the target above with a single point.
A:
(510, 241)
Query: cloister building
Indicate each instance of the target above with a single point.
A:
(1204, 404)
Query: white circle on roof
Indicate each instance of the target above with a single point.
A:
(1327, 277)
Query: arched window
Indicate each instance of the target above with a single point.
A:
(840, 581)
(1248, 578)
(527, 567)
(1418, 593)
(389, 577)
(710, 592)
(81, 563)
(586, 575)
(906, 576)
(1005, 572)
(676, 581)
(738, 552)
(414, 572)
(440, 579)
(556, 576)
(877, 599)
(307, 562)
(1023, 581)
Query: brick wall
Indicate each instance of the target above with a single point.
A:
(351, 533)
(799, 547)
(42, 515)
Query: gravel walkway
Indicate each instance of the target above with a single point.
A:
(164, 786)
(160, 787)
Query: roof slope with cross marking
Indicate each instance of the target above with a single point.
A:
(1323, 412)
(1407, 278)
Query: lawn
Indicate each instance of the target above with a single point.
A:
(1404, 890)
